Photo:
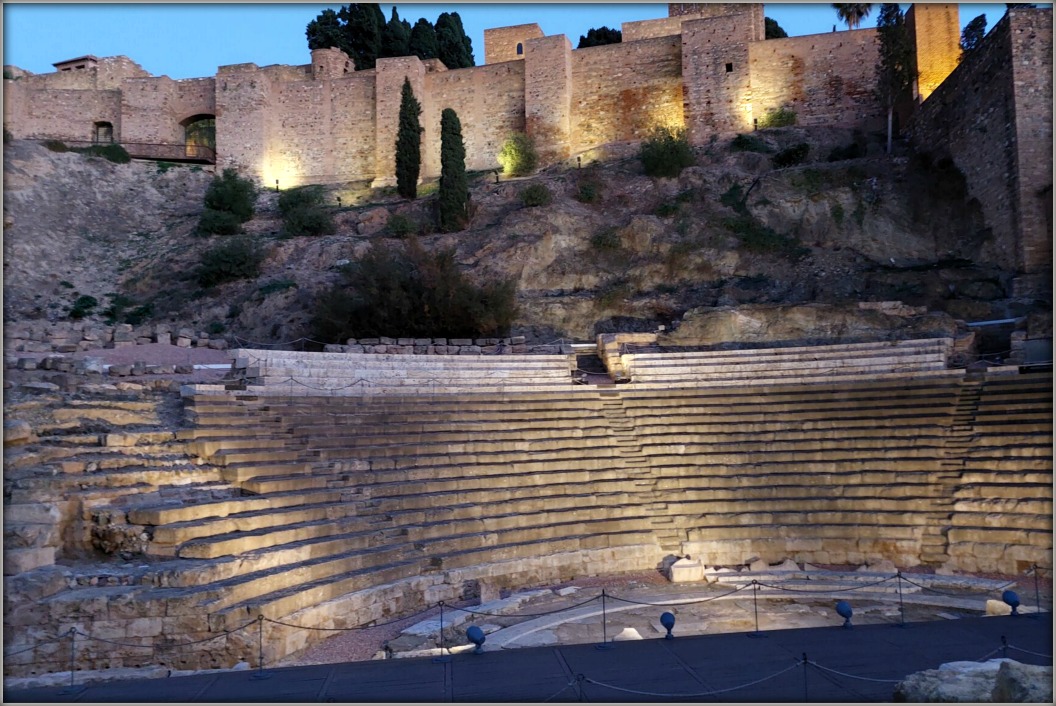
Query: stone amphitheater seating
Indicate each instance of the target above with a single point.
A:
(312, 374)
(799, 364)
(344, 509)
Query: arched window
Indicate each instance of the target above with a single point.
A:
(200, 136)
(103, 132)
(520, 49)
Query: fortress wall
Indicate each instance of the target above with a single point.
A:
(61, 113)
(389, 78)
(548, 96)
(244, 106)
(500, 44)
(750, 14)
(352, 127)
(716, 77)
(650, 29)
(971, 118)
(827, 79)
(936, 33)
(1032, 86)
(153, 108)
(490, 102)
(613, 100)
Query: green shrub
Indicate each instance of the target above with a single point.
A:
(851, 151)
(163, 167)
(67, 285)
(536, 195)
(279, 285)
(140, 314)
(400, 226)
(605, 240)
(112, 152)
(407, 291)
(118, 304)
(756, 237)
(734, 198)
(749, 143)
(304, 211)
(215, 328)
(83, 306)
(837, 213)
(518, 156)
(666, 152)
(782, 117)
(231, 193)
(588, 192)
(238, 258)
(666, 210)
(8, 136)
(219, 223)
(56, 145)
(792, 156)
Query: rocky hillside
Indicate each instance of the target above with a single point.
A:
(615, 250)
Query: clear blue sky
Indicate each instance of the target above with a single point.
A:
(192, 40)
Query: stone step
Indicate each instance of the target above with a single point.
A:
(463, 442)
(225, 457)
(573, 454)
(223, 508)
(241, 472)
(279, 484)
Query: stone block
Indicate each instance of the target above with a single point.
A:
(183, 342)
(405, 341)
(120, 370)
(67, 348)
(122, 344)
(996, 607)
(17, 561)
(16, 432)
(685, 571)
(163, 337)
(469, 350)
(335, 348)
(460, 342)
(386, 341)
(27, 364)
(184, 369)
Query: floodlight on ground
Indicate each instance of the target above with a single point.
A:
(668, 621)
(477, 637)
(1012, 600)
(844, 610)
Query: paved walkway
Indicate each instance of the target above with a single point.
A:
(862, 664)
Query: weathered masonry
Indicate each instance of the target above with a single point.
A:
(707, 68)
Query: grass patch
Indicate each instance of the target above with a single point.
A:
(83, 306)
(666, 210)
(112, 152)
(400, 226)
(782, 117)
(758, 238)
(279, 285)
(55, 145)
(536, 195)
(666, 152)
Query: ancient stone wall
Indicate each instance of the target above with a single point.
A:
(152, 109)
(716, 77)
(936, 33)
(243, 102)
(993, 117)
(548, 95)
(749, 13)
(63, 113)
(501, 44)
(1031, 36)
(490, 104)
(613, 101)
(827, 79)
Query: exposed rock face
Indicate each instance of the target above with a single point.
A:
(997, 681)
(806, 324)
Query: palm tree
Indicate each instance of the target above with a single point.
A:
(852, 13)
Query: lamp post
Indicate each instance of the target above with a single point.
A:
(276, 186)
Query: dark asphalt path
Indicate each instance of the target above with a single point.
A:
(870, 657)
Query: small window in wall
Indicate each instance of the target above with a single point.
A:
(104, 132)
(729, 68)
(520, 49)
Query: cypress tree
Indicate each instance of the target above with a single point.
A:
(454, 47)
(408, 143)
(423, 40)
(895, 70)
(453, 197)
(363, 25)
(395, 37)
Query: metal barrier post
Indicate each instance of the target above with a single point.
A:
(755, 606)
(72, 688)
(605, 644)
(1004, 647)
(806, 698)
(443, 657)
(1037, 593)
(261, 674)
(901, 605)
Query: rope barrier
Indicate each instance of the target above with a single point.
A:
(556, 693)
(40, 644)
(1036, 654)
(831, 590)
(682, 603)
(224, 633)
(988, 654)
(531, 615)
(357, 627)
(956, 595)
(695, 694)
(812, 663)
